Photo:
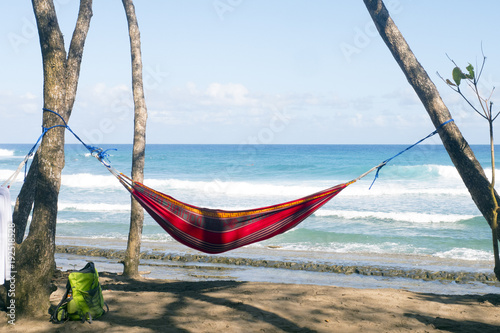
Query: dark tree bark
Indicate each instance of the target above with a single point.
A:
(457, 147)
(35, 262)
(131, 262)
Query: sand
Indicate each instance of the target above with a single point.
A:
(152, 305)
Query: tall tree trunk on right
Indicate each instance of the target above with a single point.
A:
(460, 153)
(131, 262)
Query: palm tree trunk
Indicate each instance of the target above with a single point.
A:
(131, 262)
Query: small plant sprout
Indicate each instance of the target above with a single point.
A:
(484, 107)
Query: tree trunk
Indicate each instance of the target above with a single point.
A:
(457, 147)
(131, 262)
(24, 201)
(35, 262)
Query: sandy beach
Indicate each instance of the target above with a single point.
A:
(214, 297)
(153, 305)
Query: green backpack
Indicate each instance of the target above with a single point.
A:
(83, 298)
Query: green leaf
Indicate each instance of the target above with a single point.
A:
(458, 75)
(471, 74)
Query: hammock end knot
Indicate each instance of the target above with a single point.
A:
(383, 164)
(101, 154)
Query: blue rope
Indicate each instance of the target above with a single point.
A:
(44, 131)
(100, 153)
(32, 150)
(408, 148)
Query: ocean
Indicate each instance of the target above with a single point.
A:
(417, 213)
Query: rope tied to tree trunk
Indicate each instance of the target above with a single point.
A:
(384, 163)
(101, 154)
(98, 152)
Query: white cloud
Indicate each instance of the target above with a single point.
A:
(22, 113)
(405, 96)
(29, 96)
(229, 103)
(380, 120)
(108, 96)
(220, 110)
(228, 94)
(19, 105)
(356, 120)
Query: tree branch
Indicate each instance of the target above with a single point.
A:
(75, 54)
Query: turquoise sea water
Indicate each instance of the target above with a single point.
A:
(418, 206)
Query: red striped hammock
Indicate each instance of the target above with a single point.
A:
(217, 231)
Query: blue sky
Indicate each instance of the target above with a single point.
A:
(241, 71)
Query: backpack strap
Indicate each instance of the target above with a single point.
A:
(64, 301)
(87, 317)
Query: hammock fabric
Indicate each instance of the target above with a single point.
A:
(217, 231)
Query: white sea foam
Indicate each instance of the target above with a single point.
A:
(68, 221)
(86, 220)
(291, 191)
(450, 172)
(162, 237)
(74, 221)
(5, 174)
(111, 235)
(391, 189)
(387, 187)
(396, 216)
(232, 188)
(93, 207)
(443, 172)
(386, 247)
(6, 152)
(446, 171)
(429, 170)
(465, 254)
(88, 181)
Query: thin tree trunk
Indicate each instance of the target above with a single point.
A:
(457, 147)
(24, 202)
(494, 219)
(131, 262)
(35, 262)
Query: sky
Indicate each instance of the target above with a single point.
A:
(252, 71)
